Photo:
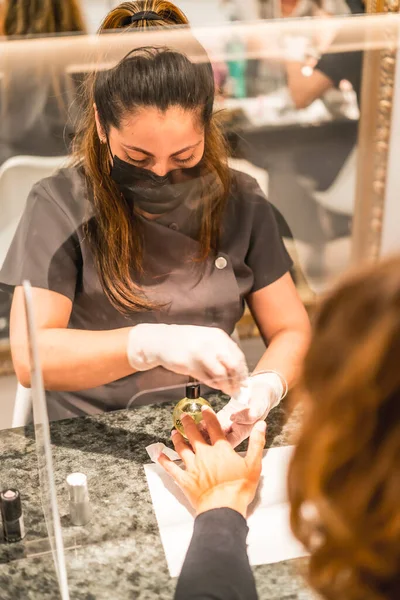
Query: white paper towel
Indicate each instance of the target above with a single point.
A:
(155, 450)
(270, 539)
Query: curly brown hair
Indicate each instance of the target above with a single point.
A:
(344, 480)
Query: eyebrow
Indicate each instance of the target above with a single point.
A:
(136, 149)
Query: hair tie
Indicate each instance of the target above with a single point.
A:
(144, 15)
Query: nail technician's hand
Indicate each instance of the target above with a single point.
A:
(206, 353)
(262, 393)
(215, 475)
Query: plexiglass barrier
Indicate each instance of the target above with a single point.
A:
(289, 106)
(48, 491)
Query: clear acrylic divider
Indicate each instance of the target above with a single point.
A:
(43, 449)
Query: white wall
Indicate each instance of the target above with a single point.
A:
(95, 11)
(201, 12)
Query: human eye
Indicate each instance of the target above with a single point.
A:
(136, 162)
(184, 161)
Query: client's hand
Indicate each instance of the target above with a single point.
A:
(216, 476)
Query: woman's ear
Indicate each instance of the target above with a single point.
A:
(100, 131)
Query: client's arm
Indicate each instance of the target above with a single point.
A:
(220, 485)
(216, 565)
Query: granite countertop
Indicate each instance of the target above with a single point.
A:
(119, 555)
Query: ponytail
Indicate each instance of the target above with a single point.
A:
(120, 17)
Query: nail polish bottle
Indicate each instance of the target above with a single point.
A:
(79, 505)
(190, 405)
(11, 512)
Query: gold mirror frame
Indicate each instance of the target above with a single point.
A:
(374, 140)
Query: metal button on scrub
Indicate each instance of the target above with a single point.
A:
(174, 226)
(221, 262)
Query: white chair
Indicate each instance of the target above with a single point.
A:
(17, 177)
(340, 197)
(22, 413)
(339, 200)
(260, 175)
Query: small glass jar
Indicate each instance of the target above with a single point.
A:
(190, 405)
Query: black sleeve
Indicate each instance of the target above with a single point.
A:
(344, 65)
(267, 256)
(216, 565)
(45, 249)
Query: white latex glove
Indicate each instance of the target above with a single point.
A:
(207, 354)
(260, 395)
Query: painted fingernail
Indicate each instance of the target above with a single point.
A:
(174, 432)
(260, 426)
(206, 409)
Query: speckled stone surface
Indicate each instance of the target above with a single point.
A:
(119, 555)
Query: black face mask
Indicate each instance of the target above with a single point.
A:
(151, 193)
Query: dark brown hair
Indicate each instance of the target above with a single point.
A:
(120, 16)
(344, 480)
(160, 77)
(38, 17)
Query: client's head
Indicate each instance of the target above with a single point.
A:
(344, 481)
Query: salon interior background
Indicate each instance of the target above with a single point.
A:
(204, 12)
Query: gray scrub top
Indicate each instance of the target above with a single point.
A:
(50, 250)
